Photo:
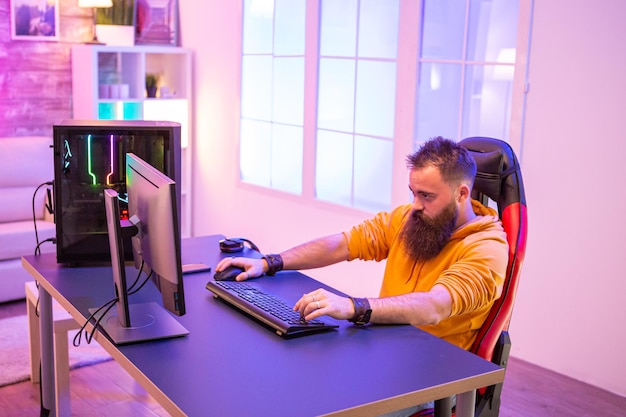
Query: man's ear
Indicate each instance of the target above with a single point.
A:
(463, 192)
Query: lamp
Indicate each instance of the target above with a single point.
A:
(95, 4)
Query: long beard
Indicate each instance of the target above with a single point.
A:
(423, 237)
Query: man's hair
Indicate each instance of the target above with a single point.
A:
(455, 163)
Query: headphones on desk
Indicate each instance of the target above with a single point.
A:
(234, 245)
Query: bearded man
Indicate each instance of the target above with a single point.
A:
(446, 254)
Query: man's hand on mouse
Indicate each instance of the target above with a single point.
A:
(253, 267)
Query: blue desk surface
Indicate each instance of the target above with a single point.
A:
(230, 365)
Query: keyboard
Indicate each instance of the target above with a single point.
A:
(267, 308)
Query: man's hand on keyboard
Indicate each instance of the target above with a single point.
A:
(324, 303)
(253, 267)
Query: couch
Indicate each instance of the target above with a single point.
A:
(25, 164)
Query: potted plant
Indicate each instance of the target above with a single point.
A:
(151, 84)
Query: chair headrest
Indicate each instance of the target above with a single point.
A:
(498, 173)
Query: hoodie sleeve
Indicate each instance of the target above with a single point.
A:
(372, 239)
(475, 279)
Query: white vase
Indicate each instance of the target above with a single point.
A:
(116, 35)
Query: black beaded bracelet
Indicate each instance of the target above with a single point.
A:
(274, 263)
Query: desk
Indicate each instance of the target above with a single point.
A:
(231, 365)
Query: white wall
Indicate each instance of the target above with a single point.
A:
(570, 309)
(569, 313)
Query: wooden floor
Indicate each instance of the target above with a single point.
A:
(106, 390)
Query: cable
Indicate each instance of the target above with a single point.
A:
(131, 291)
(107, 307)
(89, 336)
(37, 248)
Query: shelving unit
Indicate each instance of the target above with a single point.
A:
(108, 83)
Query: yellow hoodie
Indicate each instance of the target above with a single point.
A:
(471, 266)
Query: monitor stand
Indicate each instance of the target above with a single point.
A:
(149, 321)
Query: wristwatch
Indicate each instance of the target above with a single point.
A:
(362, 311)
(274, 263)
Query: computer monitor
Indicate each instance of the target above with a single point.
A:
(152, 206)
(156, 245)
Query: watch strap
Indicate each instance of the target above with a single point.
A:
(274, 263)
(362, 311)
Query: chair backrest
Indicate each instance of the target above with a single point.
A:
(499, 178)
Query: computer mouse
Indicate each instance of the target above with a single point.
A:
(228, 274)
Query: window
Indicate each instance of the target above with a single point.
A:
(466, 68)
(356, 102)
(342, 143)
(272, 99)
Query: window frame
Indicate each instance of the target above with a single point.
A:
(408, 61)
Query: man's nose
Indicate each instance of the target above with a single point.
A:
(417, 204)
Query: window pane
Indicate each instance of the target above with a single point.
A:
(492, 28)
(438, 101)
(288, 104)
(376, 98)
(378, 28)
(255, 152)
(373, 160)
(258, 26)
(338, 28)
(333, 167)
(287, 154)
(486, 102)
(336, 95)
(256, 87)
(289, 27)
(443, 29)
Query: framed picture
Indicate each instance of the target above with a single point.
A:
(35, 20)
(156, 22)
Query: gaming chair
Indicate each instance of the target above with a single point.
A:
(499, 179)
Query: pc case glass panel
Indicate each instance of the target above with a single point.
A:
(89, 160)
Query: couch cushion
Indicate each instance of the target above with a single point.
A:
(18, 238)
(25, 163)
(17, 203)
(27, 160)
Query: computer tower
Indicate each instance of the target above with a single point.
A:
(90, 156)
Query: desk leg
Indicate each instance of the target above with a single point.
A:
(47, 351)
(466, 404)
(443, 407)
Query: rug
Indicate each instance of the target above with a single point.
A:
(14, 356)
